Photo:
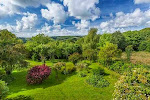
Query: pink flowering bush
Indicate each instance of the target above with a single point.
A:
(38, 74)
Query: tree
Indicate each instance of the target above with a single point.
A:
(91, 40)
(133, 85)
(119, 39)
(129, 50)
(12, 51)
(75, 58)
(90, 54)
(109, 53)
(104, 38)
(37, 47)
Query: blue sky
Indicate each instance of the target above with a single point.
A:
(27, 18)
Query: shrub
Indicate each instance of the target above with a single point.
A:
(133, 85)
(97, 81)
(3, 89)
(75, 58)
(68, 69)
(81, 66)
(58, 66)
(98, 71)
(109, 53)
(20, 97)
(82, 73)
(129, 50)
(118, 67)
(38, 74)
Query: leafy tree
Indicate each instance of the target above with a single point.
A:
(75, 58)
(109, 53)
(129, 50)
(90, 54)
(12, 52)
(119, 39)
(133, 85)
(104, 38)
(91, 40)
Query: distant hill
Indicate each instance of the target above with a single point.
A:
(55, 38)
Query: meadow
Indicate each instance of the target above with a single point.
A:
(70, 87)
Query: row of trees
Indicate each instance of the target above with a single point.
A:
(93, 47)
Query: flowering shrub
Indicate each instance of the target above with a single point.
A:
(37, 74)
(133, 85)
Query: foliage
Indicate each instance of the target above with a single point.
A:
(81, 66)
(133, 85)
(90, 54)
(82, 73)
(104, 38)
(3, 89)
(109, 53)
(97, 81)
(12, 51)
(58, 66)
(98, 71)
(91, 40)
(119, 39)
(38, 74)
(68, 69)
(20, 97)
(129, 50)
(75, 58)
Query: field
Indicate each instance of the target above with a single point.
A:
(70, 87)
(140, 57)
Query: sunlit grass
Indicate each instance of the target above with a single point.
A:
(68, 87)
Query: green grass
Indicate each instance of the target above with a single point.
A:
(68, 87)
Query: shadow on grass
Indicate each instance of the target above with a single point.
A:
(20, 84)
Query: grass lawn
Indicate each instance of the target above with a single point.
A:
(68, 87)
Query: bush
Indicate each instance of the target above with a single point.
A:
(75, 58)
(133, 85)
(20, 97)
(38, 74)
(81, 66)
(129, 50)
(3, 89)
(68, 69)
(98, 71)
(97, 81)
(118, 67)
(109, 53)
(82, 74)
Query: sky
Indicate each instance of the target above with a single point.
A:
(27, 18)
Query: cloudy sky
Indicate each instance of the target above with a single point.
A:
(27, 18)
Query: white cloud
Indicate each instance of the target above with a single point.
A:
(27, 3)
(82, 25)
(28, 21)
(56, 30)
(10, 7)
(122, 21)
(55, 12)
(83, 9)
(8, 27)
(141, 1)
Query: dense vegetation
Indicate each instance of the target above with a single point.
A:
(55, 68)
